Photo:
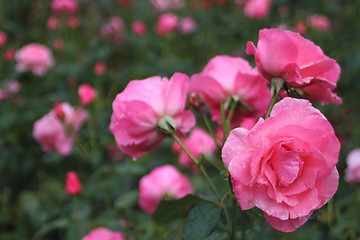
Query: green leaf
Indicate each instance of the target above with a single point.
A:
(57, 224)
(169, 210)
(201, 221)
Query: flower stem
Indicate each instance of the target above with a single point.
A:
(274, 99)
(207, 123)
(223, 120)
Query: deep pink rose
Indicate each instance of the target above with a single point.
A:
(285, 165)
(166, 23)
(87, 94)
(72, 184)
(34, 57)
(198, 142)
(299, 61)
(143, 103)
(187, 25)
(227, 79)
(162, 5)
(100, 68)
(319, 22)
(3, 38)
(103, 233)
(53, 23)
(162, 182)
(257, 8)
(352, 173)
(64, 6)
(138, 27)
(9, 54)
(57, 134)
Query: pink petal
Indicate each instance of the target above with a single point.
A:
(289, 225)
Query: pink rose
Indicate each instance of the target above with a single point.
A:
(142, 105)
(64, 6)
(72, 184)
(53, 23)
(3, 38)
(301, 28)
(319, 22)
(138, 27)
(9, 54)
(73, 22)
(301, 63)
(352, 173)
(56, 131)
(113, 30)
(162, 5)
(285, 165)
(166, 23)
(100, 68)
(58, 44)
(34, 57)
(103, 233)
(87, 94)
(10, 89)
(257, 8)
(162, 182)
(187, 26)
(198, 142)
(231, 80)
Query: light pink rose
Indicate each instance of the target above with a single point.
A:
(352, 173)
(198, 142)
(166, 23)
(9, 90)
(227, 79)
(138, 27)
(299, 61)
(64, 6)
(285, 165)
(3, 38)
(162, 5)
(55, 133)
(162, 182)
(187, 25)
(143, 103)
(87, 94)
(257, 8)
(53, 23)
(113, 30)
(103, 233)
(319, 22)
(72, 184)
(34, 57)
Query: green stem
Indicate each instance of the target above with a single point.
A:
(233, 227)
(207, 123)
(274, 99)
(77, 216)
(222, 111)
(82, 149)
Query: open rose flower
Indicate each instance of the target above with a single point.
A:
(138, 110)
(87, 94)
(352, 173)
(34, 57)
(231, 80)
(257, 8)
(72, 184)
(56, 130)
(162, 182)
(103, 233)
(162, 5)
(166, 23)
(299, 61)
(285, 165)
(64, 6)
(319, 22)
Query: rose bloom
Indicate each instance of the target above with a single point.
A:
(9, 54)
(143, 103)
(198, 142)
(257, 8)
(301, 63)
(56, 130)
(352, 173)
(113, 30)
(53, 23)
(34, 57)
(138, 27)
(87, 94)
(64, 6)
(162, 5)
(187, 26)
(3, 38)
(72, 184)
(11, 87)
(73, 22)
(319, 22)
(58, 44)
(100, 68)
(285, 165)
(166, 23)
(164, 182)
(231, 80)
(103, 233)
(301, 28)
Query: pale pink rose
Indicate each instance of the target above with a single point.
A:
(3, 38)
(34, 57)
(227, 79)
(319, 22)
(57, 134)
(9, 54)
(187, 25)
(285, 165)
(103, 233)
(166, 23)
(198, 142)
(64, 6)
(100, 68)
(113, 30)
(72, 184)
(143, 103)
(11, 87)
(162, 5)
(73, 22)
(53, 23)
(87, 94)
(299, 61)
(257, 8)
(301, 28)
(352, 173)
(138, 27)
(162, 182)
